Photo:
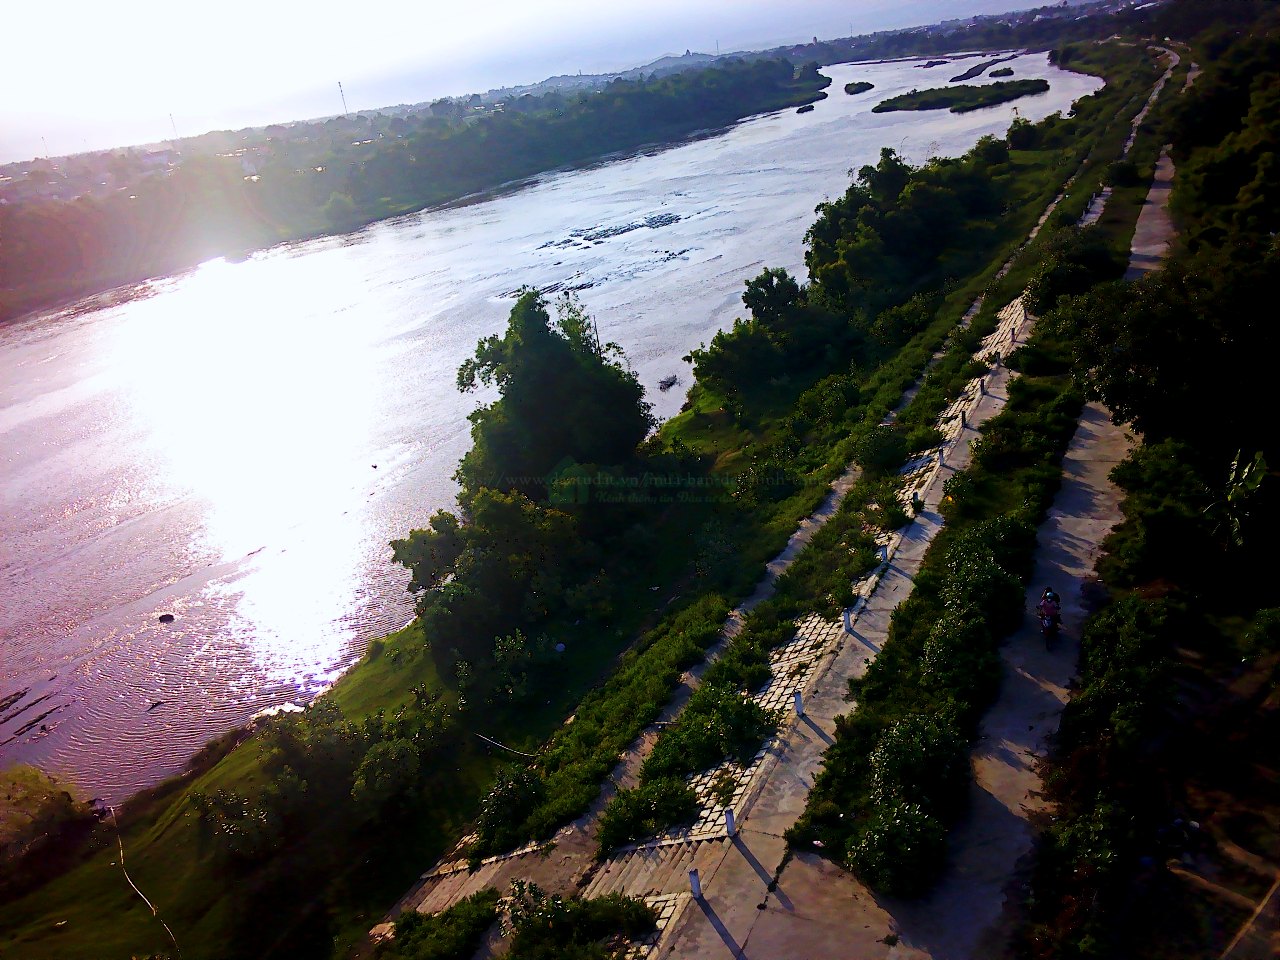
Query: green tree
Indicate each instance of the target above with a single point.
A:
(563, 396)
(386, 777)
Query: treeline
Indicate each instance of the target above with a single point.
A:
(207, 206)
(1041, 28)
(1163, 772)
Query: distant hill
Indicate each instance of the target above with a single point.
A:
(662, 67)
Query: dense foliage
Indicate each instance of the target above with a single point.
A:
(1174, 720)
(898, 772)
(568, 412)
(551, 927)
(452, 935)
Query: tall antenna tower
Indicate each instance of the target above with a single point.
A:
(174, 125)
(344, 98)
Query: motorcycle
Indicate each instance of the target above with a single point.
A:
(1049, 629)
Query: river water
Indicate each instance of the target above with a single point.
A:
(237, 445)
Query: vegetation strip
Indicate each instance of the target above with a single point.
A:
(963, 99)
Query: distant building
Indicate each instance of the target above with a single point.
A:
(159, 159)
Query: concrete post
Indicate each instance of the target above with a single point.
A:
(730, 827)
(964, 421)
(915, 501)
(982, 386)
(799, 703)
(695, 884)
(848, 624)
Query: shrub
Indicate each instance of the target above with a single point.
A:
(635, 814)
(900, 851)
(880, 450)
(1122, 173)
(893, 516)
(554, 928)
(924, 438)
(718, 724)
(454, 934)
(513, 797)
(921, 759)
(959, 658)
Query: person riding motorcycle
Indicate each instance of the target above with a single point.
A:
(1050, 606)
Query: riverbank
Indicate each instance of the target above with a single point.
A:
(245, 219)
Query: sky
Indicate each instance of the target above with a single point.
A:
(83, 75)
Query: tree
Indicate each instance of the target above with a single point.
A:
(772, 296)
(564, 396)
(386, 776)
(431, 553)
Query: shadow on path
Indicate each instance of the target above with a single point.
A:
(764, 875)
(718, 925)
(822, 734)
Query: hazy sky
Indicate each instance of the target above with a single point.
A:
(84, 74)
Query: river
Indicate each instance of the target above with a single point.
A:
(237, 445)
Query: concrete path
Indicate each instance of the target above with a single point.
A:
(1098, 202)
(817, 910)
(1154, 232)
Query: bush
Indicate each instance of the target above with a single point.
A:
(636, 814)
(880, 450)
(513, 797)
(924, 438)
(454, 934)
(959, 658)
(1122, 173)
(718, 724)
(921, 759)
(983, 583)
(554, 928)
(900, 851)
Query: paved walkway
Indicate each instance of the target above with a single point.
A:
(1154, 232)
(1098, 202)
(817, 910)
